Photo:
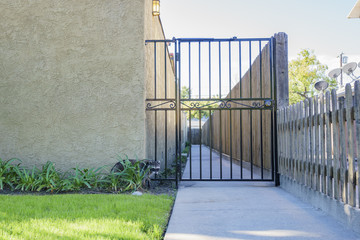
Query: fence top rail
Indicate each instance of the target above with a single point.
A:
(233, 39)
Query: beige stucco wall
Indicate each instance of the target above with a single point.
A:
(72, 78)
(165, 133)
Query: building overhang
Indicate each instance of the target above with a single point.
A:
(355, 12)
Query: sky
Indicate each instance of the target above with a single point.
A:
(319, 25)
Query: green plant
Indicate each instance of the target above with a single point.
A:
(113, 181)
(25, 179)
(78, 181)
(47, 178)
(134, 175)
(93, 176)
(7, 173)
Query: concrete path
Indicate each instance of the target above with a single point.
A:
(219, 168)
(240, 210)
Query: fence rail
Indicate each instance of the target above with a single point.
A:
(319, 144)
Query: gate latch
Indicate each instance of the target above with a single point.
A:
(268, 103)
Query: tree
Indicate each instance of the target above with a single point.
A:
(304, 72)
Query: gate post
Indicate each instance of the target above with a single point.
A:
(281, 75)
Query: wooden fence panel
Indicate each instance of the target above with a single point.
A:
(319, 144)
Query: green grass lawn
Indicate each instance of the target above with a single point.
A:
(77, 216)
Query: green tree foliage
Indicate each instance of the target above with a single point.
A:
(304, 72)
(195, 114)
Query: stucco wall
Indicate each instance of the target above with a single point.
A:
(165, 144)
(72, 81)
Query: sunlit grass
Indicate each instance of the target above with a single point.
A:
(77, 216)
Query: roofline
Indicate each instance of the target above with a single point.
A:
(355, 12)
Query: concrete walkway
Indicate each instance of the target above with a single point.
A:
(240, 210)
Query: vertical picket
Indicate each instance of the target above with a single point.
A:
(316, 132)
(301, 143)
(350, 156)
(279, 143)
(311, 143)
(357, 124)
(322, 144)
(286, 142)
(335, 143)
(306, 160)
(298, 141)
(343, 164)
(328, 146)
(291, 142)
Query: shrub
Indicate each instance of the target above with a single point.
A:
(49, 179)
(7, 173)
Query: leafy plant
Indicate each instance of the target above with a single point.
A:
(25, 179)
(134, 175)
(93, 176)
(7, 173)
(78, 181)
(113, 181)
(47, 178)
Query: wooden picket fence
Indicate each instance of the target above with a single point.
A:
(319, 144)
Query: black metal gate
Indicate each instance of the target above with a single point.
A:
(211, 109)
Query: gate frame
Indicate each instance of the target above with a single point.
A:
(275, 101)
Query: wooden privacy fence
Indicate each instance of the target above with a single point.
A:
(319, 144)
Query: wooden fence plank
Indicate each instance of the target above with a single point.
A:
(291, 142)
(349, 123)
(307, 140)
(328, 146)
(317, 146)
(302, 145)
(357, 124)
(279, 139)
(282, 137)
(311, 143)
(335, 128)
(298, 140)
(343, 164)
(322, 145)
(286, 142)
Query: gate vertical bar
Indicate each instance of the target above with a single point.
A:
(177, 97)
(155, 113)
(261, 115)
(230, 135)
(220, 111)
(240, 95)
(200, 110)
(190, 110)
(166, 112)
(210, 111)
(251, 127)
